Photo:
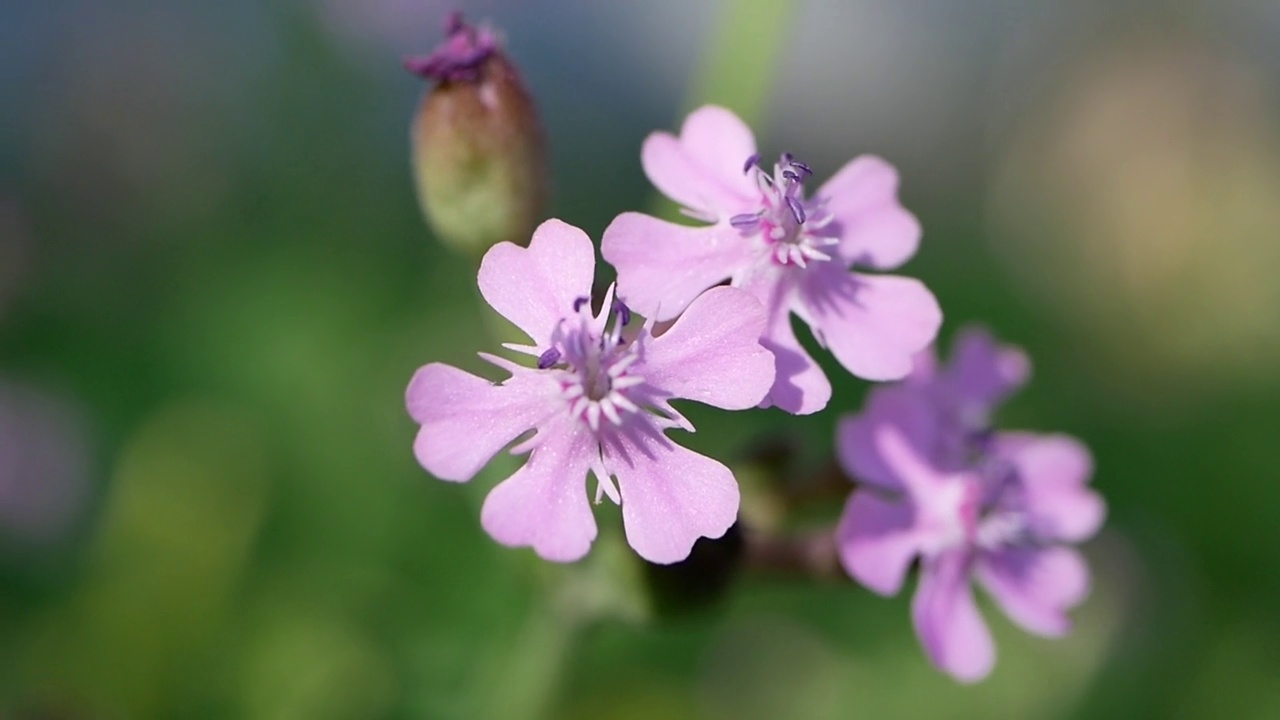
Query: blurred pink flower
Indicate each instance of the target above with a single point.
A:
(790, 251)
(43, 465)
(969, 503)
(599, 401)
(943, 411)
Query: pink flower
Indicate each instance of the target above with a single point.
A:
(599, 400)
(999, 508)
(790, 251)
(944, 412)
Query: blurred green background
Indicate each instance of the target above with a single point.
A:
(215, 285)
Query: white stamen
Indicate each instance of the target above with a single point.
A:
(627, 381)
(611, 412)
(620, 400)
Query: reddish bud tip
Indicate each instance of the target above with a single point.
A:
(460, 57)
(479, 152)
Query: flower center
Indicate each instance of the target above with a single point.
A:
(1001, 518)
(983, 509)
(789, 226)
(593, 362)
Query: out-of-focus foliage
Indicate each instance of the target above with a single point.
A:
(215, 284)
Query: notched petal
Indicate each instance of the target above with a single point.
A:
(466, 419)
(712, 354)
(671, 496)
(702, 167)
(535, 287)
(544, 505)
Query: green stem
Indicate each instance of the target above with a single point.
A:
(741, 61)
(737, 69)
(522, 684)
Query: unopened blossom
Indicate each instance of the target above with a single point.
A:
(971, 504)
(791, 250)
(479, 153)
(598, 398)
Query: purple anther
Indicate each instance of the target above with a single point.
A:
(578, 303)
(548, 358)
(790, 176)
(983, 437)
(745, 221)
(797, 210)
(787, 158)
(624, 312)
(751, 162)
(804, 169)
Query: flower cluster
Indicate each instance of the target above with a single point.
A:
(595, 394)
(942, 486)
(599, 398)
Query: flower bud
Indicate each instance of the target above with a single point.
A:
(479, 157)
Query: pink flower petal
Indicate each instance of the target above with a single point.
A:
(877, 540)
(983, 371)
(662, 266)
(873, 324)
(670, 496)
(874, 229)
(800, 386)
(896, 406)
(926, 485)
(535, 287)
(702, 169)
(1054, 471)
(947, 620)
(1035, 586)
(466, 419)
(544, 505)
(713, 354)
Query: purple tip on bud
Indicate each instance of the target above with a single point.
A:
(578, 303)
(751, 162)
(797, 210)
(453, 23)
(624, 312)
(548, 358)
(745, 221)
(479, 153)
(459, 57)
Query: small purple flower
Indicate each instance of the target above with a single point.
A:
(999, 508)
(599, 400)
(790, 251)
(943, 411)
